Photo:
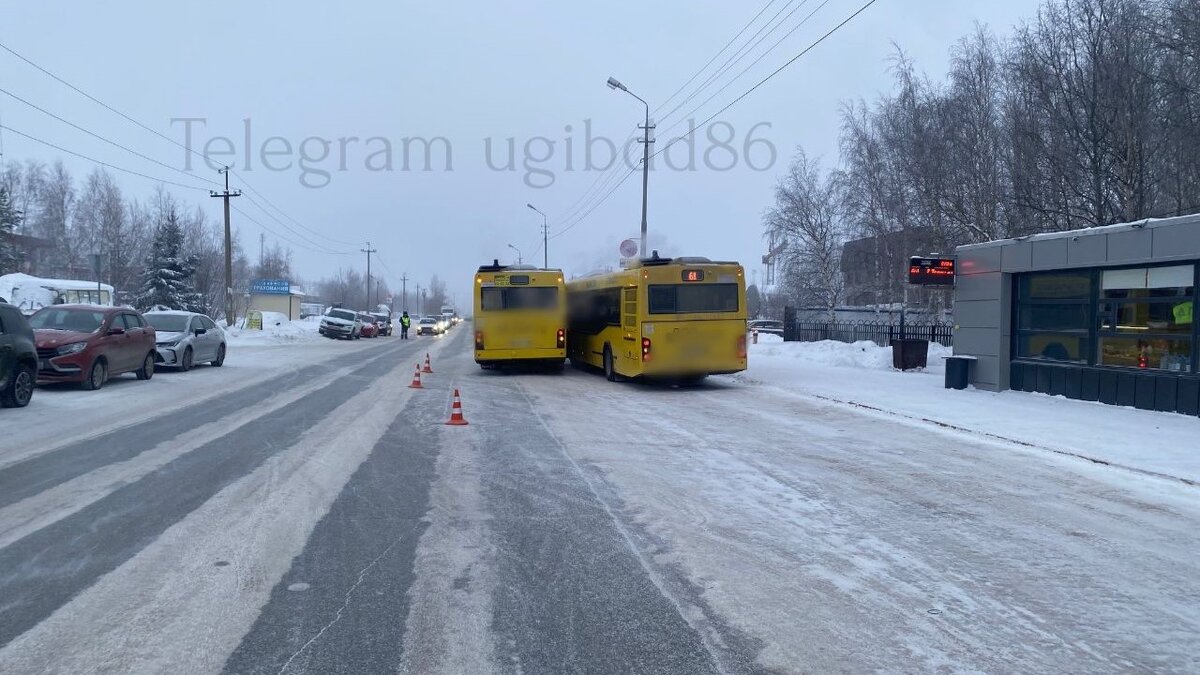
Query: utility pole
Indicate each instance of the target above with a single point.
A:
(262, 249)
(545, 237)
(228, 245)
(368, 250)
(404, 286)
(419, 312)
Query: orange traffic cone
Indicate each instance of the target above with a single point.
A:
(428, 368)
(456, 416)
(416, 381)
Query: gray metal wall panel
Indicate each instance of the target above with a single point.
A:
(1049, 254)
(1131, 246)
(1176, 241)
(1017, 257)
(978, 313)
(977, 341)
(986, 373)
(1086, 250)
(979, 260)
(978, 286)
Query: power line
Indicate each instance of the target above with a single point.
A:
(275, 234)
(741, 52)
(263, 197)
(106, 140)
(753, 63)
(102, 163)
(775, 72)
(99, 102)
(323, 247)
(714, 58)
(744, 94)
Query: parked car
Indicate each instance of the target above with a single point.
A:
(766, 326)
(90, 344)
(18, 358)
(369, 329)
(341, 323)
(187, 338)
(383, 321)
(428, 326)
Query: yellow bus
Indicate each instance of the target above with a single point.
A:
(520, 316)
(678, 319)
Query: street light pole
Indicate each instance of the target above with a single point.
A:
(613, 83)
(519, 261)
(545, 238)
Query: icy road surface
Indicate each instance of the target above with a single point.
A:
(313, 515)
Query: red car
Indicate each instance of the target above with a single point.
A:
(369, 328)
(89, 344)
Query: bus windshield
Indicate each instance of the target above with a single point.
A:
(693, 298)
(518, 297)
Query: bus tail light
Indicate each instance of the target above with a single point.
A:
(741, 346)
(561, 338)
(645, 349)
(479, 339)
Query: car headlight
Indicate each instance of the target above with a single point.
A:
(73, 348)
(170, 343)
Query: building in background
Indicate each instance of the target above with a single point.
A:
(275, 295)
(1101, 314)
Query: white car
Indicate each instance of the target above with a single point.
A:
(341, 323)
(183, 339)
(428, 326)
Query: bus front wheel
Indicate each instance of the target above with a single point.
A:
(610, 372)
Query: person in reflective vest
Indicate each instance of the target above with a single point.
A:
(405, 322)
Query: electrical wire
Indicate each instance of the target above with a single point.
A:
(105, 139)
(102, 163)
(246, 184)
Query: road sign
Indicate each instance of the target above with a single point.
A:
(931, 271)
(629, 248)
(254, 320)
(270, 287)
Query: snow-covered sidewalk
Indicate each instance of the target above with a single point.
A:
(860, 374)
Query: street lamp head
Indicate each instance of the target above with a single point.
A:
(613, 83)
(530, 206)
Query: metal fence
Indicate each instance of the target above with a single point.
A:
(881, 333)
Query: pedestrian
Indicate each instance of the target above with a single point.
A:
(404, 323)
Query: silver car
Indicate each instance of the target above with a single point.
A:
(187, 338)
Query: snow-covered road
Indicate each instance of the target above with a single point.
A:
(313, 515)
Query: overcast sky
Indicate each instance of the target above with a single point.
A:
(464, 72)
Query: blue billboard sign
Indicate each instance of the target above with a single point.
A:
(271, 287)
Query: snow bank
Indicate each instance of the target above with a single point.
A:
(861, 374)
(277, 330)
(863, 354)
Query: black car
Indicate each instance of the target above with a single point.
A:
(18, 358)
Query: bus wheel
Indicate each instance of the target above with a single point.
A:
(610, 373)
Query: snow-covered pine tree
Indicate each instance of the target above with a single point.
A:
(167, 280)
(10, 218)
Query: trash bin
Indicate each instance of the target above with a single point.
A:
(910, 354)
(958, 371)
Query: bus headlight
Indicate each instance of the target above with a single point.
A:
(562, 338)
(479, 339)
(645, 349)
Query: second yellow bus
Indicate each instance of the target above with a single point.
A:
(660, 318)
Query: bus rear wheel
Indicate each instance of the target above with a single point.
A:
(610, 372)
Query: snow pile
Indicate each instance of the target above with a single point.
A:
(861, 374)
(862, 354)
(276, 330)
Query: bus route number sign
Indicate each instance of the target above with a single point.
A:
(931, 271)
(693, 275)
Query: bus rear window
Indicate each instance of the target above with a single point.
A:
(693, 298)
(526, 297)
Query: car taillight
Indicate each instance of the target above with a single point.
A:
(478, 339)
(645, 349)
(562, 338)
(741, 346)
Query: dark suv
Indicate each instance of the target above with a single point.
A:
(89, 344)
(18, 358)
